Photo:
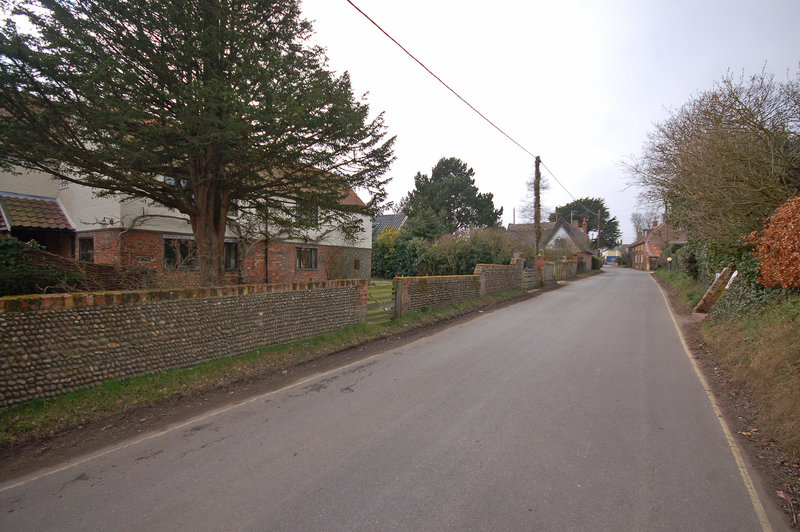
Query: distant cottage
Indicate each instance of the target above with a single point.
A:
(652, 242)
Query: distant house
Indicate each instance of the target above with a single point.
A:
(387, 221)
(652, 242)
(613, 255)
(69, 220)
(560, 237)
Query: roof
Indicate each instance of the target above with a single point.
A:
(24, 210)
(387, 221)
(527, 232)
(655, 239)
(352, 198)
(578, 237)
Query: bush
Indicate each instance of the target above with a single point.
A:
(398, 253)
(19, 275)
(597, 262)
(778, 247)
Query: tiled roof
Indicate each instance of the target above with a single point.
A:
(659, 234)
(387, 221)
(352, 198)
(22, 210)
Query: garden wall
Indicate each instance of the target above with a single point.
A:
(413, 294)
(51, 344)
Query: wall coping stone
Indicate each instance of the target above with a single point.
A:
(33, 302)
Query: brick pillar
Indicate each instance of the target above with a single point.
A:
(540, 265)
(518, 261)
(482, 277)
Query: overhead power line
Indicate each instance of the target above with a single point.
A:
(565, 189)
(448, 87)
(457, 95)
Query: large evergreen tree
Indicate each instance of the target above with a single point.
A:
(450, 196)
(588, 208)
(192, 105)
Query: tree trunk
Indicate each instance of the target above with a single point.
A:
(208, 225)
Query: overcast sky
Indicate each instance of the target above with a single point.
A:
(578, 83)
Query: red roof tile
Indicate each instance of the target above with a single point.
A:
(36, 212)
(352, 198)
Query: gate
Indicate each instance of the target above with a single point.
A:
(380, 302)
(531, 279)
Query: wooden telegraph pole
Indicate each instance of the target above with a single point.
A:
(599, 212)
(537, 204)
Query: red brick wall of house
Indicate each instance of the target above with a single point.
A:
(106, 245)
(254, 264)
(282, 260)
(333, 262)
(146, 249)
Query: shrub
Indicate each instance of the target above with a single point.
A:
(19, 275)
(778, 247)
(398, 253)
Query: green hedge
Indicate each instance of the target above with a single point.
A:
(19, 275)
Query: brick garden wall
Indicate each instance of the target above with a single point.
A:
(417, 293)
(51, 344)
(414, 294)
(499, 278)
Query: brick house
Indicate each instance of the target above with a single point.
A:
(652, 242)
(68, 220)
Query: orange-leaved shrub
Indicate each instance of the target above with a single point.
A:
(778, 247)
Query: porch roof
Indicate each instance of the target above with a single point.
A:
(36, 212)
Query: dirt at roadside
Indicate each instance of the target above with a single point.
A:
(741, 413)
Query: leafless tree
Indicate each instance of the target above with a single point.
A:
(724, 161)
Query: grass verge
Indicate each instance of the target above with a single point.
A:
(691, 292)
(760, 350)
(46, 417)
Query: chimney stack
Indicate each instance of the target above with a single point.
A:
(585, 225)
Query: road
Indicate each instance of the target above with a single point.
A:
(574, 410)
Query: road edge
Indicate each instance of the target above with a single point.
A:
(755, 499)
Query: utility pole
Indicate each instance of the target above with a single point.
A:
(537, 204)
(599, 212)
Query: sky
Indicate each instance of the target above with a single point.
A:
(579, 83)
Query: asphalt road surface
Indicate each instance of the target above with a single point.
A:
(575, 410)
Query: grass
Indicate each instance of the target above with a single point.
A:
(45, 417)
(762, 351)
(691, 292)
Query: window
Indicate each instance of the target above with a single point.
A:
(63, 183)
(307, 213)
(180, 254)
(86, 249)
(231, 256)
(356, 265)
(306, 259)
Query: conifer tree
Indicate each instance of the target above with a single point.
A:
(191, 105)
